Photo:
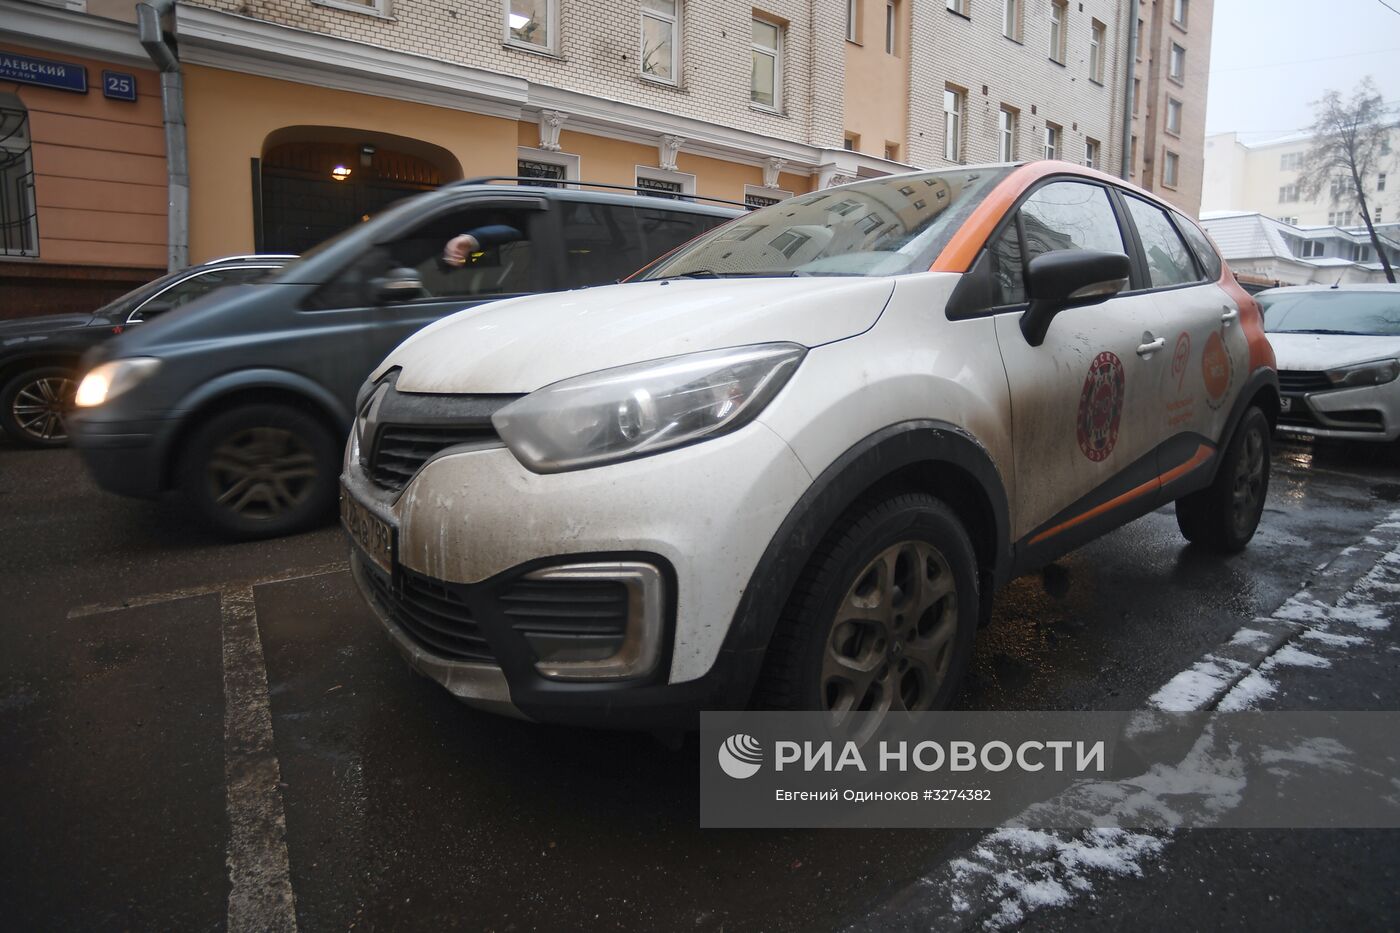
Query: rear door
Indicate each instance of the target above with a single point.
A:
(1207, 348)
(1082, 403)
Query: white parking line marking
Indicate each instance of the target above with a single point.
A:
(259, 870)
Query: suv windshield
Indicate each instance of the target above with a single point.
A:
(1339, 312)
(884, 226)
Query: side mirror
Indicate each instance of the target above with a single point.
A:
(149, 310)
(1069, 278)
(402, 284)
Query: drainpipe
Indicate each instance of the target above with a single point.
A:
(1127, 166)
(172, 102)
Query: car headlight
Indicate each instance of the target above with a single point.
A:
(111, 379)
(644, 408)
(1374, 373)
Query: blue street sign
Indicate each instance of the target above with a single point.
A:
(118, 85)
(26, 69)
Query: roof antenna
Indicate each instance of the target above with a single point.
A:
(1339, 281)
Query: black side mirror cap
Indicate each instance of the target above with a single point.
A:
(1069, 278)
(401, 284)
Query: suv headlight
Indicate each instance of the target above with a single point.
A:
(645, 408)
(107, 381)
(1374, 373)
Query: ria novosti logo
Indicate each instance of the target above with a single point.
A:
(740, 756)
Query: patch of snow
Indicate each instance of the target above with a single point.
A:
(1251, 637)
(1297, 657)
(1193, 688)
(1246, 694)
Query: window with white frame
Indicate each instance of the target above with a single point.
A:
(19, 223)
(1138, 40)
(1379, 212)
(547, 165)
(1132, 156)
(1291, 221)
(953, 106)
(1006, 135)
(1360, 252)
(1179, 9)
(1312, 249)
(532, 24)
(1339, 186)
(1288, 194)
(1098, 32)
(757, 197)
(1176, 69)
(1091, 153)
(1380, 182)
(1171, 169)
(767, 85)
(661, 183)
(660, 55)
(1339, 218)
(1011, 19)
(1051, 147)
(372, 7)
(891, 22)
(852, 20)
(1173, 116)
(1290, 161)
(1059, 16)
(961, 7)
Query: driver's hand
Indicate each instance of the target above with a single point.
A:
(458, 248)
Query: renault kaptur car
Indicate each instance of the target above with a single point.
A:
(788, 464)
(1339, 359)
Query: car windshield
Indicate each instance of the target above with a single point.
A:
(1332, 312)
(138, 294)
(884, 226)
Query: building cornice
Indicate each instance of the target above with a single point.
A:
(63, 31)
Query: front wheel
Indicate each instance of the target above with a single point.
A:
(34, 404)
(261, 471)
(882, 619)
(1224, 516)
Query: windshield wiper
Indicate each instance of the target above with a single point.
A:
(1339, 333)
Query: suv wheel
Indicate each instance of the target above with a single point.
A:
(1223, 516)
(34, 403)
(882, 619)
(260, 471)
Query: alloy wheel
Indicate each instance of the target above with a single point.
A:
(891, 645)
(261, 473)
(41, 405)
(1249, 481)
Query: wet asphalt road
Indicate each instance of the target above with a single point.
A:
(405, 809)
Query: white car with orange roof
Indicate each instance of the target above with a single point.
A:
(789, 464)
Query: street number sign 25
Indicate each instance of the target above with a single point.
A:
(118, 85)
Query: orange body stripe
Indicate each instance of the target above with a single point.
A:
(1202, 454)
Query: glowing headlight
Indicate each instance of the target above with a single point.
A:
(1375, 373)
(111, 379)
(645, 408)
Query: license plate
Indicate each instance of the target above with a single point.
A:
(371, 534)
(1285, 404)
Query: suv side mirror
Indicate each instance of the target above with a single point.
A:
(1069, 278)
(401, 284)
(149, 310)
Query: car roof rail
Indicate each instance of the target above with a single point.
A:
(577, 183)
(251, 257)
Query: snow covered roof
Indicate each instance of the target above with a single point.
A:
(1247, 235)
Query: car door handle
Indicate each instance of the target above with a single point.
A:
(1229, 316)
(1147, 349)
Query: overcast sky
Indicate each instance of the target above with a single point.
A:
(1271, 58)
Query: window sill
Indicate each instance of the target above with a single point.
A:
(1096, 82)
(532, 50)
(1012, 39)
(856, 42)
(960, 15)
(770, 111)
(1055, 61)
(1179, 82)
(349, 6)
(1175, 134)
(660, 82)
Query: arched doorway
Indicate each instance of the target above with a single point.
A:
(315, 181)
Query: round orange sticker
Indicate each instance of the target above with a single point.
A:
(1216, 369)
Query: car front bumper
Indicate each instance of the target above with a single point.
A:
(1366, 413)
(123, 457)
(474, 523)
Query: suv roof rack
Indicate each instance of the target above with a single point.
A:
(576, 183)
(252, 257)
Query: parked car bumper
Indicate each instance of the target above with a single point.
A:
(1367, 413)
(123, 457)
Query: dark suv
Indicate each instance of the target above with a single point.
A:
(39, 355)
(242, 401)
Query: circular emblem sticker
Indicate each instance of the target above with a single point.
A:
(1101, 407)
(1216, 370)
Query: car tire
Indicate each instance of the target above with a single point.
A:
(882, 618)
(33, 404)
(1224, 516)
(260, 471)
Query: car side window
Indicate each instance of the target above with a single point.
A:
(1169, 262)
(196, 286)
(1060, 215)
(1205, 252)
(602, 242)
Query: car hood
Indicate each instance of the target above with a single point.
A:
(1329, 351)
(44, 324)
(525, 343)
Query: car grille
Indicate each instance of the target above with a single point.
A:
(430, 615)
(401, 449)
(1298, 381)
(588, 609)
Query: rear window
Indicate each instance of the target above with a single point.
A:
(1205, 252)
(1332, 312)
(884, 226)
